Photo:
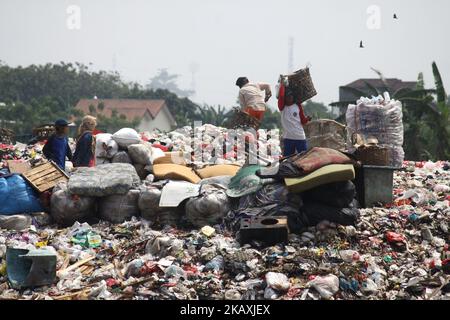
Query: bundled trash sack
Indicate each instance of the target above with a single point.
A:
(337, 194)
(148, 204)
(380, 118)
(17, 196)
(316, 212)
(121, 157)
(272, 200)
(142, 170)
(126, 137)
(66, 208)
(209, 207)
(103, 180)
(105, 148)
(119, 207)
(140, 153)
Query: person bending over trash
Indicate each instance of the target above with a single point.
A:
(57, 146)
(84, 155)
(251, 97)
(292, 121)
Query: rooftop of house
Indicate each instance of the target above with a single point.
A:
(130, 108)
(392, 83)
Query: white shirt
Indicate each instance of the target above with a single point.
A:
(253, 94)
(292, 125)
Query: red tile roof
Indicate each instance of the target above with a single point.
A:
(130, 108)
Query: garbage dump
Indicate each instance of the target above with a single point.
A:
(218, 228)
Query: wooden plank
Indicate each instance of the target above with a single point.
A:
(40, 173)
(39, 168)
(46, 178)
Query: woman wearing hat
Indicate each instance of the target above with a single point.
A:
(84, 155)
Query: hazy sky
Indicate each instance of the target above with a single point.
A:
(230, 38)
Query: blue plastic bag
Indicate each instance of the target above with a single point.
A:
(17, 196)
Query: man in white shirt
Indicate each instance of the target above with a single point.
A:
(253, 97)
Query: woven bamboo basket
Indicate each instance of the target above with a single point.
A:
(300, 82)
(373, 155)
(242, 120)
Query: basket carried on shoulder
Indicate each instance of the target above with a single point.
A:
(242, 120)
(300, 82)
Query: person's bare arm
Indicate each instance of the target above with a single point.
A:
(266, 88)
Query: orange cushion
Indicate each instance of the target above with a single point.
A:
(175, 172)
(178, 156)
(218, 170)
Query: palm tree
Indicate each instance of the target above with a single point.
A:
(213, 115)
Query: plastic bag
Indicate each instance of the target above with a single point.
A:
(66, 208)
(105, 146)
(317, 212)
(381, 119)
(338, 194)
(104, 180)
(126, 136)
(277, 281)
(121, 157)
(118, 208)
(140, 154)
(209, 208)
(148, 204)
(326, 286)
(17, 196)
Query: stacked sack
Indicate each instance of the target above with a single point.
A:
(126, 146)
(379, 118)
(109, 189)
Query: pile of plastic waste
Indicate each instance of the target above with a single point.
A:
(20, 151)
(204, 141)
(398, 251)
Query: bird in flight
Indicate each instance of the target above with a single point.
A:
(361, 44)
(395, 16)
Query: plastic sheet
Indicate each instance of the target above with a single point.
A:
(17, 196)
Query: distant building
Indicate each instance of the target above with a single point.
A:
(360, 84)
(152, 114)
